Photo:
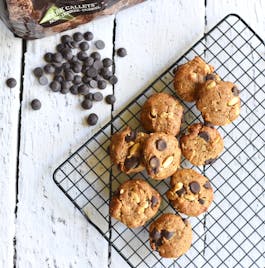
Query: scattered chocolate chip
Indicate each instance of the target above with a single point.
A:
(58, 70)
(60, 47)
(154, 201)
(11, 82)
(100, 44)
(110, 99)
(49, 68)
(93, 83)
(76, 67)
(131, 162)
(57, 57)
(36, 104)
(87, 104)
(70, 44)
(69, 75)
(131, 137)
(84, 46)
(82, 55)
(98, 64)
(107, 62)
(161, 145)
(83, 89)
(181, 191)
(106, 73)
(65, 87)
(88, 61)
(210, 161)
(48, 57)
(201, 201)
(102, 84)
(89, 96)
(155, 234)
(154, 163)
(66, 66)
(121, 52)
(77, 80)
(66, 38)
(58, 78)
(113, 80)
(207, 185)
(167, 234)
(88, 36)
(204, 135)
(95, 55)
(194, 187)
(55, 86)
(43, 80)
(67, 53)
(208, 124)
(38, 72)
(74, 89)
(210, 77)
(86, 79)
(74, 59)
(97, 96)
(78, 36)
(92, 72)
(235, 91)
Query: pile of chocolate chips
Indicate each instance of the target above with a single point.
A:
(79, 73)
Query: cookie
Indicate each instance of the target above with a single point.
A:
(219, 102)
(126, 150)
(189, 77)
(202, 144)
(161, 155)
(162, 113)
(134, 203)
(190, 193)
(170, 235)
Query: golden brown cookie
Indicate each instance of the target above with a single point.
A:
(134, 203)
(189, 77)
(190, 193)
(219, 102)
(202, 144)
(162, 113)
(161, 155)
(170, 235)
(126, 150)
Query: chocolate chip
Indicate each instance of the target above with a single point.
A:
(154, 163)
(74, 59)
(86, 79)
(100, 44)
(74, 89)
(167, 234)
(204, 135)
(69, 75)
(207, 185)
(92, 119)
(107, 62)
(201, 201)
(83, 89)
(93, 83)
(106, 73)
(98, 64)
(113, 80)
(110, 99)
(131, 162)
(87, 104)
(49, 68)
(181, 191)
(97, 96)
(48, 57)
(55, 86)
(88, 61)
(58, 70)
(66, 38)
(77, 80)
(89, 96)
(210, 77)
(38, 72)
(208, 124)
(76, 67)
(210, 161)
(11, 82)
(155, 234)
(58, 78)
(65, 87)
(95, 55)
(71, 44)
(154, 201)
(194, 187)
(57, 57)
(131, 137)
(102, 84)
(60, 47)
(161, 145)
(235, 91)
(66, 65)
(78, 36)
(43, 80)
(121, 52)
(67, 53)
(88, 36)
(82, 55)
(92, 72)
(84, 46)
(36, 104)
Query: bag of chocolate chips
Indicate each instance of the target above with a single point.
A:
(32, 19)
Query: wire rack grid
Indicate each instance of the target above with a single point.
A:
(231, 233)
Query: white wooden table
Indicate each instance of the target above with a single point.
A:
(39, 227)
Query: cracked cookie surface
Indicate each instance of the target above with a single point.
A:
(189, 77)
(126, 150)
(202, 144)
(161, 155)
(190, 193)
(162, 113)
(170, 235)
(134, 203)
(219, 102)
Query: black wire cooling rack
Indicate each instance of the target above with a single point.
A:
(231, 233)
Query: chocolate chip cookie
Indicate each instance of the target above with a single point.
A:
(219, 102)
(126, 150)
(189, 77)
(134, 203)
(191, 193)
(170, 235)
(162, 113)
(161, 155)
(202, 144)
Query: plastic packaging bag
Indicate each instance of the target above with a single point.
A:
(32, 19)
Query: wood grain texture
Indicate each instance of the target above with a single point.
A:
(9, 113)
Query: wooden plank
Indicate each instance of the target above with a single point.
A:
(9, 113)
(50, 231)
